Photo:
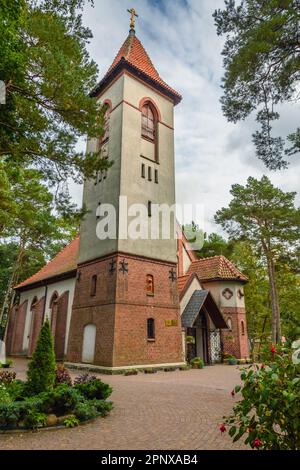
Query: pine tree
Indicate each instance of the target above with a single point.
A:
(41, 369)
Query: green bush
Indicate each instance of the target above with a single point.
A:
(268, 412)
(86, 410)
(4, 394)
(16, 390)
(61, 400)
(197, 363)
(94, 389)
(41, 369)
(103, 407)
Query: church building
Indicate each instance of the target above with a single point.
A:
(120, 303)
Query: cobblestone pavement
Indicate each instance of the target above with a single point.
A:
(168, 410)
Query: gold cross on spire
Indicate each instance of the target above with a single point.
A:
(133, 16)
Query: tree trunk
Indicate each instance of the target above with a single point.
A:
(275, 324)
(12, 282)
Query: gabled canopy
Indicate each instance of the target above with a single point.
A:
(199, 300)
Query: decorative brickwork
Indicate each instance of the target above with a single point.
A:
(234, 341)
(120, 309)
(36, 324)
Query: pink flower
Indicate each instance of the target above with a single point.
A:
(222, 428)
(257, 443)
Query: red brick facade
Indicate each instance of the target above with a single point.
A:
(120, 309)
(15, 329)
(37, 319)
(235, 340)
(61, 311)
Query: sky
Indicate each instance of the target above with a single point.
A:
(211, 154)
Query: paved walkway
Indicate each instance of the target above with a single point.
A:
(168, 410)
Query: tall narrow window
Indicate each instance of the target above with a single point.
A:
(243, 327)
(150, 328)
(149, 173)
(105, 136)
(150, 284)
(148, 122)
(149, 208)
(156, 176)
(94, 285)
(143, 170)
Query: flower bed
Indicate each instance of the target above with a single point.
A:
(49, 397)
(66, 404)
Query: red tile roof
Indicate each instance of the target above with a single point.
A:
(181, 282)
(133, 52)
(216, 268)
(64, 262)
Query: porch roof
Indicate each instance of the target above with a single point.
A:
(200, 299)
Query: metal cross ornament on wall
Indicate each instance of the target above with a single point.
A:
(112, 266)
(123, 266)
(173, 275)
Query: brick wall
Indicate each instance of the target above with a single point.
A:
(234, 342)
(61, 325)
(120, 309)
(36, 325)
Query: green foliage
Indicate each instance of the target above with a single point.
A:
(94, 389)
(86, 410)
(71, 422)
(197, 363)
(48, 75)
(41, 369)
(215, 245)
(62, 375)
(34, 419)
(4, 395)
(61, 400)
(261, 61)
(7, 376)
(268, 412)
(267, 218)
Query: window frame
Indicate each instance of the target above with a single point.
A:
(93, 286)
(150, 282)
(150, 329)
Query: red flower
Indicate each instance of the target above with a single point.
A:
(233, 393)
(222, 428)
(262, 366)
(257, 443)
(273, 350)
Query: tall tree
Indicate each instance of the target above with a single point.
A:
(262, 68)
(48, 75)
(267, 217)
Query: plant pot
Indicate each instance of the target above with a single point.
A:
(232, 362)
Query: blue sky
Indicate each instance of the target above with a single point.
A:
(180, 37)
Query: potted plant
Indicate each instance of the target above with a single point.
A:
(232, 361)
(7, 364)
(197, 363)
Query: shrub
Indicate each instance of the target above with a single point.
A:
(61, 400)
(41, 369)
(130, 372)
(62, 375)
(71, 422)
(16, 390)
(84, 378)
(4, 395)
(94, 389)
(103, 407)
(86, 410)
(7, 376)
(268, 413)
(34, 419)
(197, 363)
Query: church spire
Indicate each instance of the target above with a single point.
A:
(134, 15)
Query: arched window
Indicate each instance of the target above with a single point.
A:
(148, 122)
(94, 285)
(243, 327)
(105, 137)
(150, 284)
(229, 323)
(150, 328)
(33, 303)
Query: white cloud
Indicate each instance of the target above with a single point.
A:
(180, 37)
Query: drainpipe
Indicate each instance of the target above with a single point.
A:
(44, 309)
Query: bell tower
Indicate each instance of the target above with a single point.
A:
(126, 307)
